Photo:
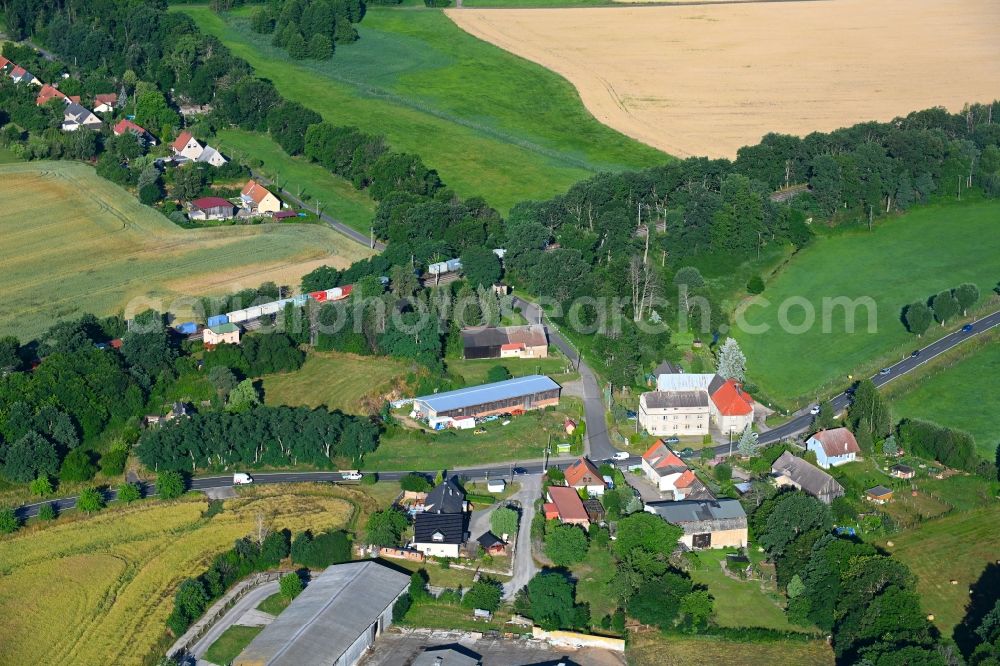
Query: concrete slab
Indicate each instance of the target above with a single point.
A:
(255, 618)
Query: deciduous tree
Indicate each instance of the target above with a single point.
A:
(918, 318)
(566, 544)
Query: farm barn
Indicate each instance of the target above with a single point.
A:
(522, 393)
(505, 342)
(211, 208)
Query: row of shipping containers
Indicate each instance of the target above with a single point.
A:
(276, 307)
(442, 267)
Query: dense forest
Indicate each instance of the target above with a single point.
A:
(309, 28)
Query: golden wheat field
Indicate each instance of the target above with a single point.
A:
(708, 79)
(99, 590)
(75, 243)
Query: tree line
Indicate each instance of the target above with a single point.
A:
(262, 435)
(942, 306)
(309, 28)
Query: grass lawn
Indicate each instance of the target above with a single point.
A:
(956, 547)
(962, 396)
(439, 576)
(306, 180)
(339, 381)
(91, 246)
(229, 645)
(116, 572)
(6, 156)
(902, 260)
(274, 604)
(592, 578)
(490, 123)
(433, 615)
(474, 371)
(734, 598)
(653, 649)
(524, 438)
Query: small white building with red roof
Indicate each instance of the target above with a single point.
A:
(105, 102)
(48, 93)
(834, 447)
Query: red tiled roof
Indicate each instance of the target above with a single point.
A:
(255, 191)
(105, 98)
(126, 125)
(283, 214)
(116, 343)
(181, 141)
(659, 456)
(685, 480)
(211, 202)
(48, 92)
(74, 98)
(551, 512)
(18, 71)
(579, 469)
(512, 346)
(837, 442)
(3, 61)
(731, 400)
(568, 503)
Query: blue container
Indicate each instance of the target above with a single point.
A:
(301, 300)
(218, 320)
(187, 328)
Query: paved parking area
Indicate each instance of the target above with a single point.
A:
(395, 648)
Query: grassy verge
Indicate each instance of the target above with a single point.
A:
(232, 641)
(474, 371)
(308, 181)
(491, 123)
(434, 615)
(524, 438)
(354, 384)
(274, 604)
(904, 259)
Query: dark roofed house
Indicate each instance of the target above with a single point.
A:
(902, 471)
(211, 208)
(720, 523)
(334, 621)
(505, 342)
(492, 544)
(76, 117)
(794, 472)
(441, 528)
(446, 497)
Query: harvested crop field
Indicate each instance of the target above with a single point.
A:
(115, 574)
(708, 79)
(75, 243)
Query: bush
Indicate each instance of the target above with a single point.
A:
(290, 585)
(485, 593)
(113, 462)
(566, 545)
(77, 466)
(401, 608)
(369, 479)
(169, 485)
(755, 285)
(128, 493)
(9, 522)
(47, 512)
(90, 500)
(321, 551)
(414, 482)
(497, 373)
(723, 472)
(42, 486)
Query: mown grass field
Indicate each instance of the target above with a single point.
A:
(308, 181)
(962, 396)
(489, 122)
(115, 574)
(75, 243)
(525, 438)
(474, 371)
(733, 598)
(229, 645)
(653, 649)
(956, 547)
(339, 381)
(902, 260)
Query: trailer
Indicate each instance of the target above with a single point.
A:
(255, 312)
(186, 328)
(300, 300)
(237, 317)
(318, 296)
(438, 268)
(274, 307)
(217, 320)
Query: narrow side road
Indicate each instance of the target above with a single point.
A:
(524, 563)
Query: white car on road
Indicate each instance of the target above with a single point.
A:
(242, 479)
(620, 455)
(814, 410)
(351, 476)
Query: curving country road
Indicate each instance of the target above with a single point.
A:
(599, 445)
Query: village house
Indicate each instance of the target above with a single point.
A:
(125, 125)
(441, 529)
(221, 334)
(689, 404)
(670, 474)
(833, 447)
(186, 146)
(564, 504)
(792, 472)
(879, 494)
(258, 200)
(505, 342)
(211, 157)
(211, 208)
(105, 102)
(902, 471)
(584, 475)
(718, 523)
(76, 117)
(48, 93)
(21, 75)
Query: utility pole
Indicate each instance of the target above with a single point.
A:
(371, 237)
(730, 441)
(760, 240)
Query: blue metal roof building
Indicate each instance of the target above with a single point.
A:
(531, 392)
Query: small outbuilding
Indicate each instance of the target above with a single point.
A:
(492, 544)
(879, 494)
(221, 334)
(211, 208)
(902, 471)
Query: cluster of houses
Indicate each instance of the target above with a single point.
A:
(75, 116)
(692, 404)
(255, 200)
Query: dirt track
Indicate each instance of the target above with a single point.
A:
(705, 80)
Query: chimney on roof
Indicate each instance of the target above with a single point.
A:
(438, 661)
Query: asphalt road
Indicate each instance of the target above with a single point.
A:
(599, 445)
